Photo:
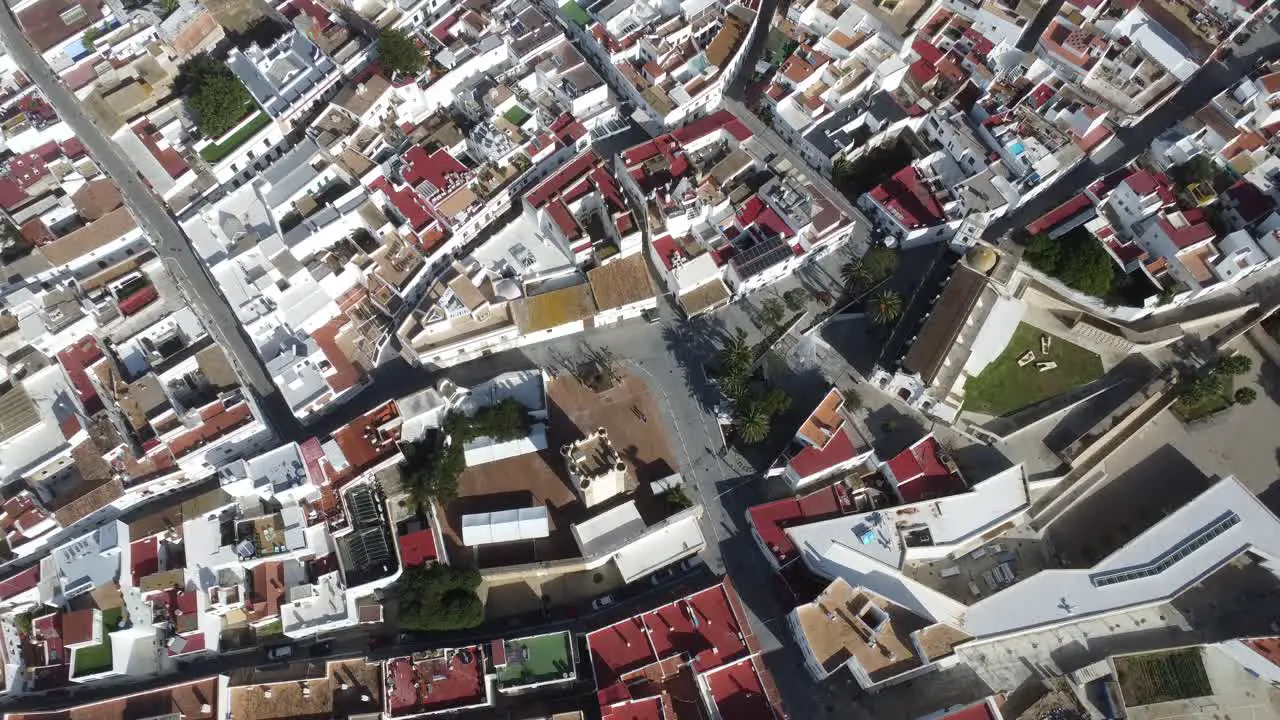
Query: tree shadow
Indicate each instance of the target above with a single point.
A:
(695, 347)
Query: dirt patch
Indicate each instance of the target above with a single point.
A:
(238, 15)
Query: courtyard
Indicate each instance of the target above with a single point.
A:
(1011, 382)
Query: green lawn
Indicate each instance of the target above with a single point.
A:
(91, 660)
(516, 115)
(1004, 387)
(549, 658)
(575, 14)
(214, 153)
(1162, 677)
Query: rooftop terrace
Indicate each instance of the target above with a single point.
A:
(533, 660)
(435, 681)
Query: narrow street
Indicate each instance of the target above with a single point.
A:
(1213, 78)
(170, 242)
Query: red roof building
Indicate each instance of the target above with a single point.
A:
(665, 652)
(19, 583)
(924, 471)
(739, 691)
(440, 170)
(1185, 229)
(75, 362)
(451, 681)
(417, 548)
(1077, 205)
(1248, 202)
(769, 521)
(906, 199)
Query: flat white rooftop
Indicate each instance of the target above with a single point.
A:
(1186, 546)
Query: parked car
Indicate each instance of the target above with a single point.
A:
(603, 602)
(280, 652)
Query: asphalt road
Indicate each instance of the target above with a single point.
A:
(170, 242)
(1129, 142)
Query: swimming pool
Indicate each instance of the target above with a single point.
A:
(1016, 148)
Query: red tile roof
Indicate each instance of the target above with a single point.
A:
(1142, 182)
(440, 686)
(346, 374)
(439, 168)
(317, 12)
(140, 299)
(906, 198)
(813, 461)
(417, 548)
(568, 129)
(1251, 203)
(1191, 230)
(43, 24)
(144, 556)
(406, 201)
(562, 178)
(757, 212)
(75, 360)
(770, 520)
(168, 158)
(361, 444)
(649, 708)
(1267, 647)
(722, 120)
(981, 45)
(78, 625)
(978, 711)
(19, 582)
(1041, 94)
(739, 692)
(11, 193)
(922, 474)
(216, 423)
(616, 650)
(1069, 209)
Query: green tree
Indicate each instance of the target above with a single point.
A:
(432, 466)
(886, 307)
(772, 311)
(794, 298)
(1077, 259)
(752, 422)
(169, 7)
(854, 274)
(880, 262)
(775, 401)
(399, 54)
(216, 98)
(1236, 364)
(1204, 387)
(1199, 169)
(676, 497)
(1246, 395)
(90, 36)
(439, 597)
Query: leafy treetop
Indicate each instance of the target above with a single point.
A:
(217, 99)
(399, 54)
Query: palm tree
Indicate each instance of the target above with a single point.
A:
(880, 262)
(886, 306)
(737, 351)
(854, 273)
(752, 423)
